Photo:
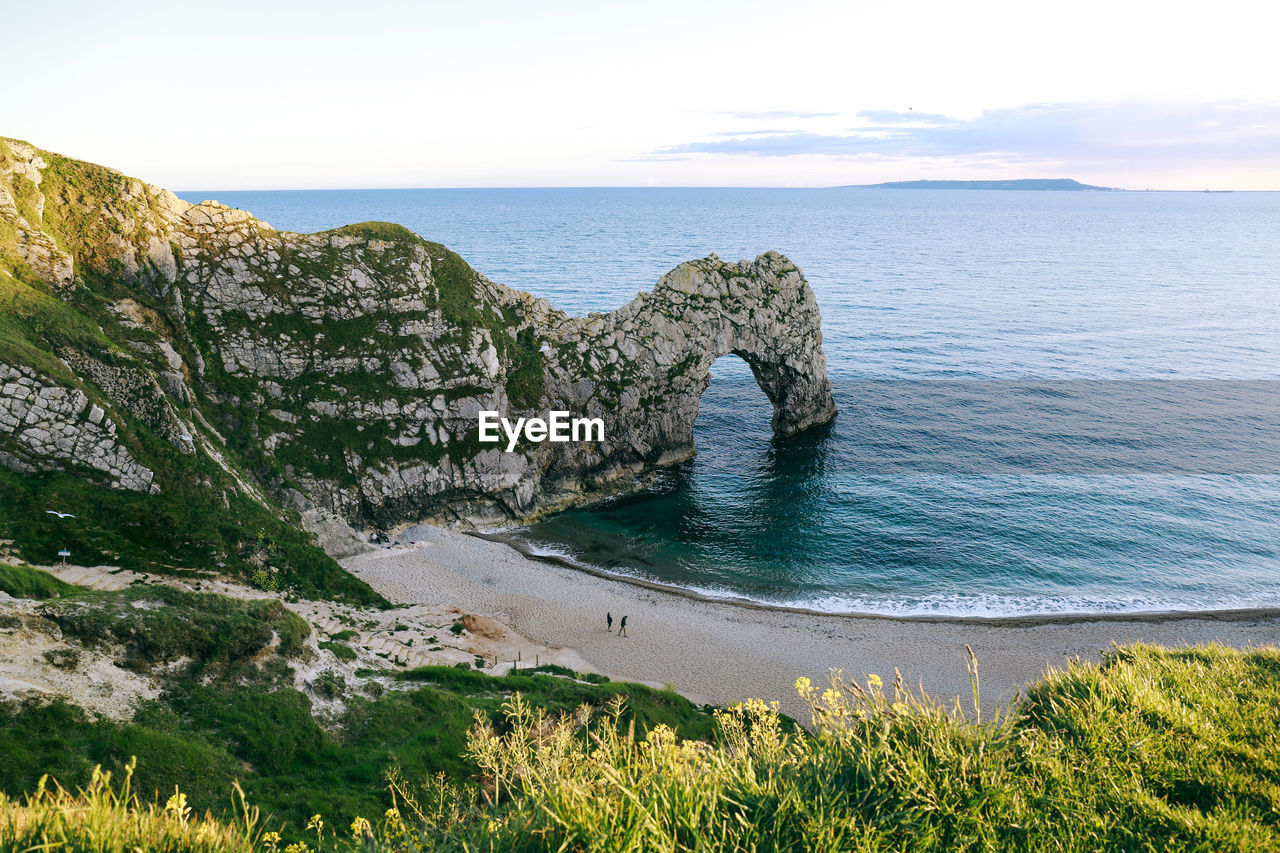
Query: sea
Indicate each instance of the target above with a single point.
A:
(1050, 402)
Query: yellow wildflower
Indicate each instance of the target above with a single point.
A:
(177, 805)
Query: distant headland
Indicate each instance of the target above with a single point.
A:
(1056, 184)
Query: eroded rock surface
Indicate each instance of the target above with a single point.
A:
(53, 427)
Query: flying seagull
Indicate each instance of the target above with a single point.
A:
(59, 514)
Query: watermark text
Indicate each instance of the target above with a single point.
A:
(558, 427)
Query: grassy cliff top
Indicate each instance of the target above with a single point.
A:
(1154, 749)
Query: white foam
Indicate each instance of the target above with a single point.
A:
(967, 606)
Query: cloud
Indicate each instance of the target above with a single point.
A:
(1093, 133)
(894, 118)
(772, 115)
(772, 131)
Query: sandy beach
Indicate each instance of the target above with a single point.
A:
(719, 652)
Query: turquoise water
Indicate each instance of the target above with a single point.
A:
(989, 352)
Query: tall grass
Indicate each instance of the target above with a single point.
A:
(1153, 749)
(223, 719)
(103, 819)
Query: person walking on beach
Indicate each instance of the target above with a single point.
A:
(608, 620)
(622, 628)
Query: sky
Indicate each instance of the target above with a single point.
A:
(372, 94)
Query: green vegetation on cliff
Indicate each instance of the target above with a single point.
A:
(33, 322)
(158, 626)
(188, 527)
(1154, 749)
(26, 582)
(201, 517)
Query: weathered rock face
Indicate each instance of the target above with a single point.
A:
(53, 427)
(351, 365)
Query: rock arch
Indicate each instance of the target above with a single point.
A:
(643, 368)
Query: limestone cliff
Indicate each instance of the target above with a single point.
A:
(341, 373)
